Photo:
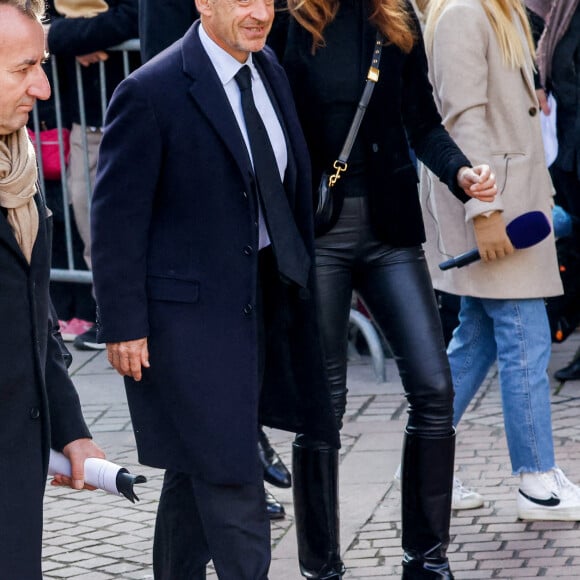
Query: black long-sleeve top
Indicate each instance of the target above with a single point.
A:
(327, 86)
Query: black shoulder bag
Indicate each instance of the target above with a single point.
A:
(324, 204)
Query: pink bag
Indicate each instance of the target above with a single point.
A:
(49, 151)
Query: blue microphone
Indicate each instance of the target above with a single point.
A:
(524, 231)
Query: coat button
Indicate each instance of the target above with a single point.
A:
(34, 413)
(533, 111)
(375, 147)
(248, 250)
(248, 309)
(245, 194)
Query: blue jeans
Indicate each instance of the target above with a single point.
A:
(517, 334)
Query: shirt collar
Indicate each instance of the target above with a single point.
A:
(224, 63)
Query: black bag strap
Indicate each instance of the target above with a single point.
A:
(341, 165)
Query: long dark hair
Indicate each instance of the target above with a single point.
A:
(391, 17)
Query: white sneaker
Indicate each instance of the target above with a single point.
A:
(463, 498)
(548, 496)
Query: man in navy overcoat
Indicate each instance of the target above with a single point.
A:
(210, 337)
(39, 406)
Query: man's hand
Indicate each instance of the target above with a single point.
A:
(92, 58)
(492, 240)
(478, 182)
(128, 357)
(76, 452)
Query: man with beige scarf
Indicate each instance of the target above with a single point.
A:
(39, 407)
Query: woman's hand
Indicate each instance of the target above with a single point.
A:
(478, 182)
(543, 101)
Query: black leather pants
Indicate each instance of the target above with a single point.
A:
(395, 286)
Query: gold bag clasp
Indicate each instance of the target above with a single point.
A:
(340, 167)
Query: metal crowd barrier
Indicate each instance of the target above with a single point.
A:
(371, 336)
(72, 273)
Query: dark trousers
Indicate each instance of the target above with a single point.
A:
(395, 286)
(198, 521)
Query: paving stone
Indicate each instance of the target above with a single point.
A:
(96, 536)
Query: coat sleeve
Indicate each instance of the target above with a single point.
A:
(78, 36)
(121, 209)
(66, 418)
(459, 68)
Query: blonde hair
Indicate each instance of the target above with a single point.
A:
(391, 17)
(499, 13)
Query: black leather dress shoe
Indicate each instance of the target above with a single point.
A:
(275, 472)
(274, 508)
(569, 373)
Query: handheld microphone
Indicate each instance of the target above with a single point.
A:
(524, 231)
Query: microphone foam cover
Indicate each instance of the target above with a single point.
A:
(528, 229)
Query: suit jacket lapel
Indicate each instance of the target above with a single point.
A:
(44, 236)
(208, 92)
(529, 82)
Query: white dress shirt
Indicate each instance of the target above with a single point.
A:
(227, 67)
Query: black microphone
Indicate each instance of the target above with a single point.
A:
(524, 231)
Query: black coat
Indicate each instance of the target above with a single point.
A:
(401, 113)
(39, 407)
(565, 84)
(175, 259)
(162, 22)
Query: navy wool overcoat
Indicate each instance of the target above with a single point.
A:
(175, 259)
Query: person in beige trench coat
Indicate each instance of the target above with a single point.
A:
(481, 67)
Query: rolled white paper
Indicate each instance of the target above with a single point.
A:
(98, 472)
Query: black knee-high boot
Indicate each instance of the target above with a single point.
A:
(315, 489)
(426, 489)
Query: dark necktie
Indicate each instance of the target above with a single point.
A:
(291, 255)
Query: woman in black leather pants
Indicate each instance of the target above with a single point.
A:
(373, 245)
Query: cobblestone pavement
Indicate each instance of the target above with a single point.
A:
(94, 536)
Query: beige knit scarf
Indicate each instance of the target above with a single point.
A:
(80, 8)
(18, 176)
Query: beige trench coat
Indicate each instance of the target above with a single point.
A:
(491, 110)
